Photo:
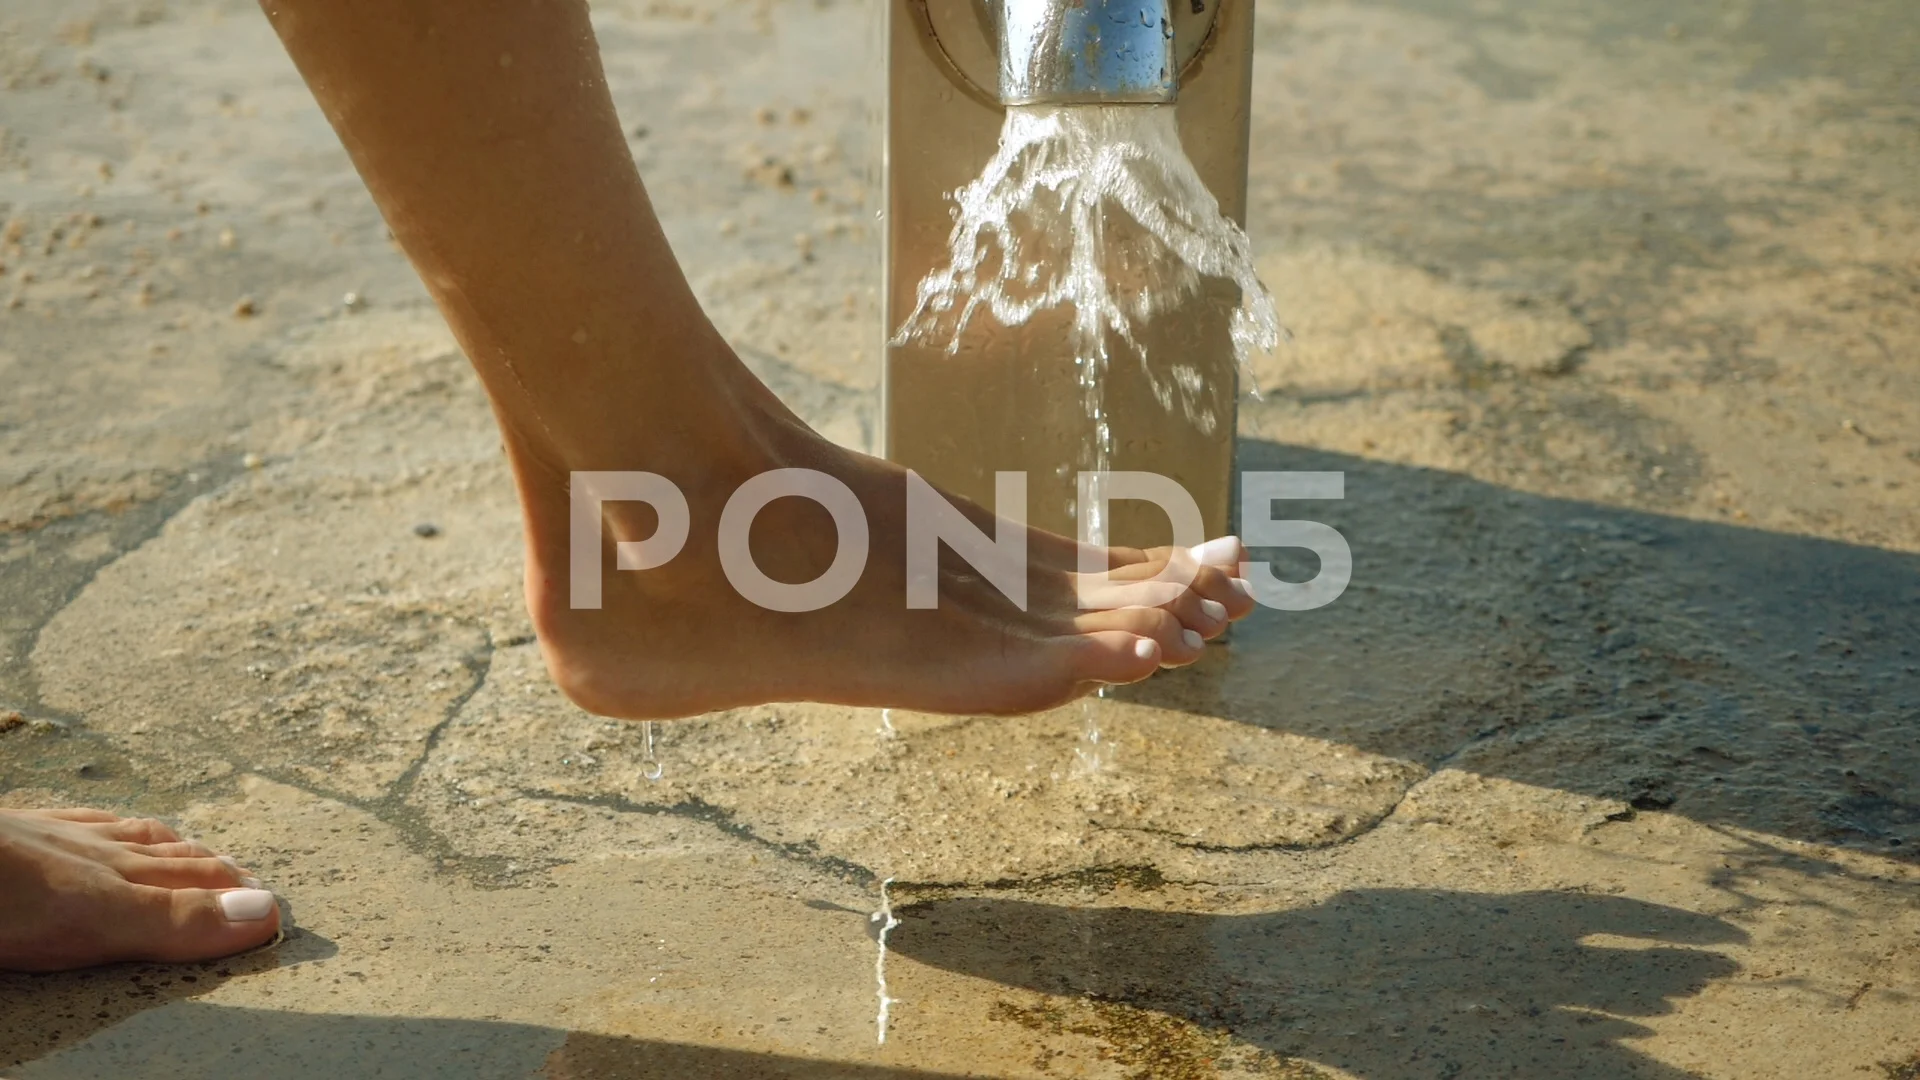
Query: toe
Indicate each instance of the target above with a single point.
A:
(1222, 588)
(1110, 657)
(139, 831)
(1178, 643)
(178, 849)
(174, 925)
(1197, 612)
(205, 872)
(1158, 581)
(1153, 564)
(1226, 553)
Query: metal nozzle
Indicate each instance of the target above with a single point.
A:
(1085, 52)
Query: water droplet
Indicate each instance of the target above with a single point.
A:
(650, 766)
(1094, 754)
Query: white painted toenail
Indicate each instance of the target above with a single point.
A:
(1216, 552)
(248, 881)
(1192, 638)
(246, 905)
(1243, 587)
(1215, 609)
(1145, 648)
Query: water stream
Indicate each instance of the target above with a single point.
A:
(884, 924)
(1097, 208)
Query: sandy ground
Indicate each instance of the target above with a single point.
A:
(1608, 765)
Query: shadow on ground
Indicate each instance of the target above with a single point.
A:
(1733, 675)
(1388, 984)
(42, 1014)
(198, 1039)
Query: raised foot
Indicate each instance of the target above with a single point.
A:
(681, 638)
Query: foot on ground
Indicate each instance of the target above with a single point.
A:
(85, 887)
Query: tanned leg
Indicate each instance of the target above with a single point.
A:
(488, 138)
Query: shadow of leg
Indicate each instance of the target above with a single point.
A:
(1383, 983)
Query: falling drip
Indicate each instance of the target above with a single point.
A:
(1094, 753)
(886, 724)
(883, 917)
(650, 766)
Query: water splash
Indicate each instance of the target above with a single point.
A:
(884, 917)
(886, 728)
(1097, 207)
(650, 766)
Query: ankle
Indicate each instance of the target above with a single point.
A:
(691, 413)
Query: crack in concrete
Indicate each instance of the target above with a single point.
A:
(694, 808)
(50, 581)
(1143, 877)
(1186, 842)
(1254, 849)
(391, 806)
(478, 664)
(1105, 878)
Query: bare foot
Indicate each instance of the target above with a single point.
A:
(84, 887)
(680, 639)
